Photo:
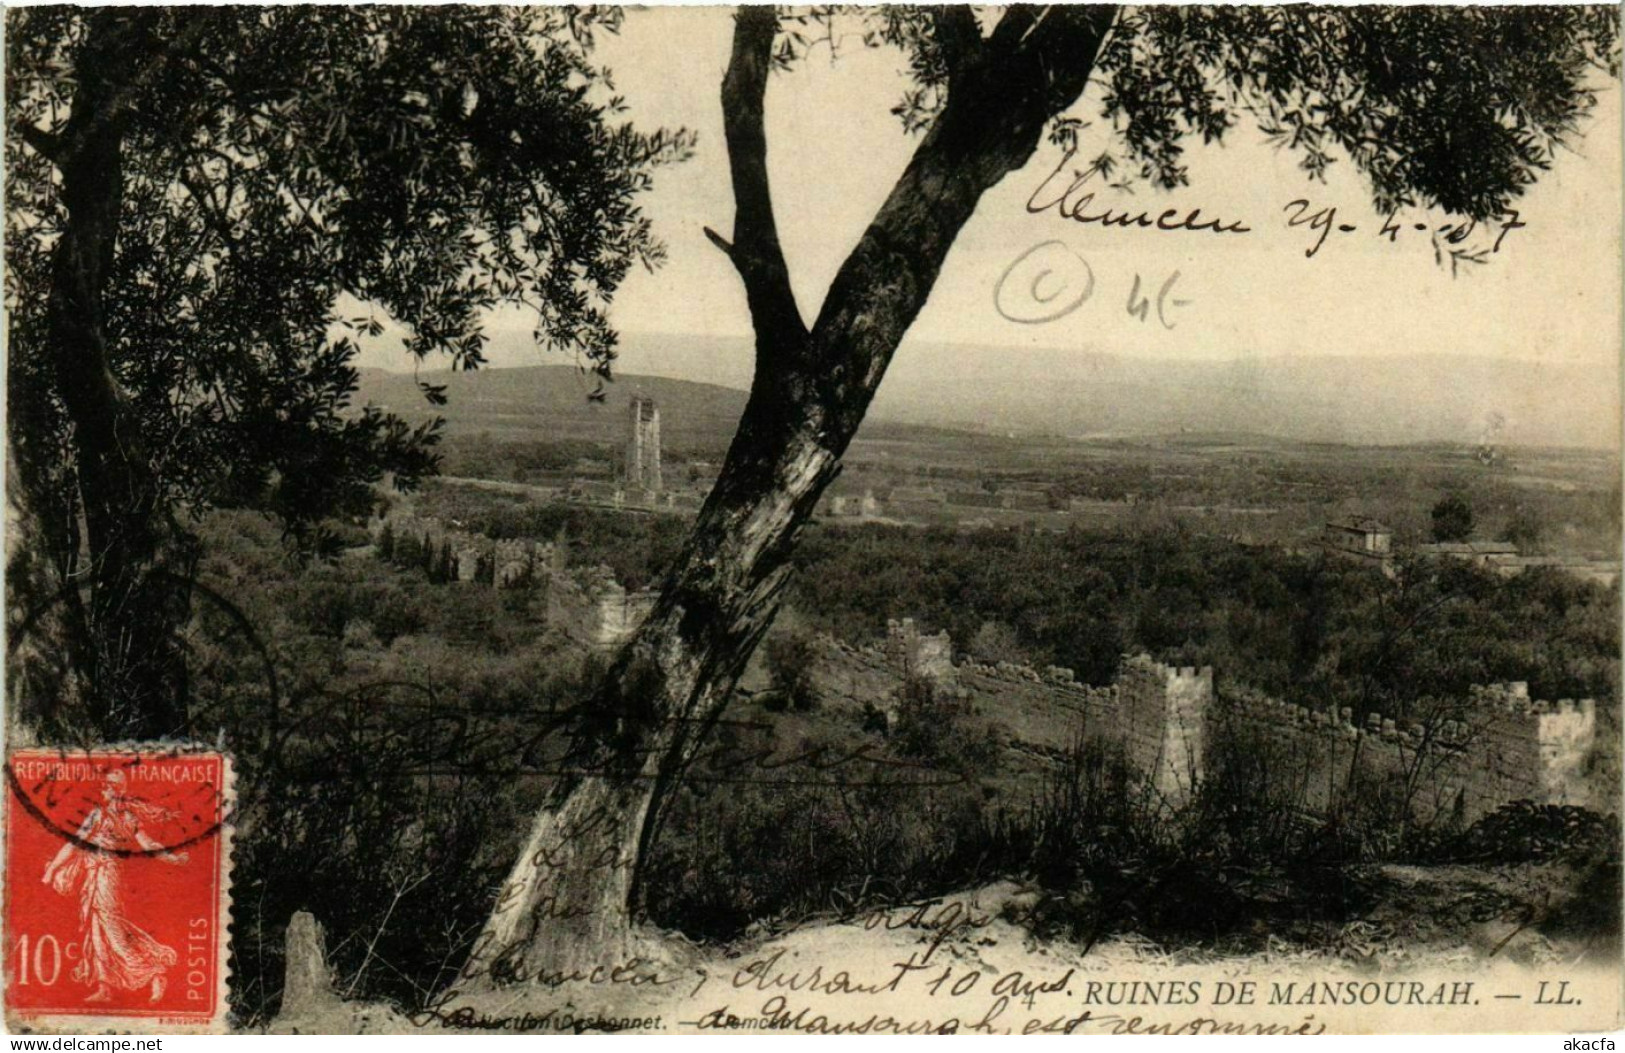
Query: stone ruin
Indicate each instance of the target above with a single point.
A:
(1497, 747)
(612, 614)
(513, 562)
(1505, 746)
(502, 564)
(586, 602)
(1164, 714)
(918, 654)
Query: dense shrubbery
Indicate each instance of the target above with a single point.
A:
(820, 818)
(637, 548)
(1524, 831)
(1306, 629)
(378, 727)
(789, 658)
(1241, 859)
(1300, 627)
(940, 727)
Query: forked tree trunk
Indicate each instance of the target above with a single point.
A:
(565, 906)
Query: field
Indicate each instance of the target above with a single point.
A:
(537, 426)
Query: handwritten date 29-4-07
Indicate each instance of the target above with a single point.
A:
(1323, 222)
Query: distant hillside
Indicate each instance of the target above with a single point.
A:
(550, 402)
(1385, 400)
(1381, 400)
(1061, 392)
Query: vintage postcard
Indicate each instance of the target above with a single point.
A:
(1072, 519)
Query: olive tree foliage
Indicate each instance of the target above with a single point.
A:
(207, 208)
(1449, 107)
(1454, 108)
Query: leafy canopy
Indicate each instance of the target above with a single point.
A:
(1457, 108)
(428, 164)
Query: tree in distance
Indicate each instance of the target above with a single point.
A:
(1452, 519)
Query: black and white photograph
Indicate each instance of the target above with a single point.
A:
(851, 520)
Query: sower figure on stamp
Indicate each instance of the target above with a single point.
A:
(115, 953)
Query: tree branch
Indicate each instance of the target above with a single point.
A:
(1049, 41)
(1018, 21)
(720, 242)
(213, 218)
(990, 126)
(44, 143)
(126, 33)
(756, 252)
(958, 37)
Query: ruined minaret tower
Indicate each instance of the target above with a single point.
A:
(643, 446)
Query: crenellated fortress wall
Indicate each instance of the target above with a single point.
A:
(1462, 761)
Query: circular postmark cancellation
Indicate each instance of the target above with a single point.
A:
(232, 687)
(179, 794)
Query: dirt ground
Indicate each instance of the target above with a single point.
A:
(1525, 948)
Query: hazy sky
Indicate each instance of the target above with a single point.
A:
(1553, 292)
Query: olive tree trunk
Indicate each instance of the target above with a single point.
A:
(123, 645)
(565, 907)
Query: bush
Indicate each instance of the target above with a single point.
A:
(940, 726)
(996, 642)
(1087, 814)
(821, 822)
(1526, 832)
(790, 658)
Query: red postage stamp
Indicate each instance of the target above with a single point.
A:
(117, 889)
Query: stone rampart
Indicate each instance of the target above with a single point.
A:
(1460, 762)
